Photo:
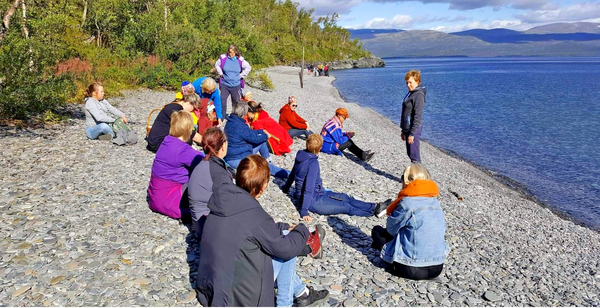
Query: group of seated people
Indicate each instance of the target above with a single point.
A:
(245, 255)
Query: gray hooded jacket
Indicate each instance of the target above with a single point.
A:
(97, 112)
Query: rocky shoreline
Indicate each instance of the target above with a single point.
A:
(75, 228)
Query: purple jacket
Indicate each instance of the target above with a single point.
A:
(171, 169)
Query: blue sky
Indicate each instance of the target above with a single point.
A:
(454, 15)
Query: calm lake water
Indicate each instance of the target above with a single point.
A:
(534, 120)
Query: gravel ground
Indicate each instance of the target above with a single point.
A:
(75, 228)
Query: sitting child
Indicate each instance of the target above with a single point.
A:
(335, 140)
(100, 115)
(307, 174)
(413, 241)
(205, 115)
(279, 141)
(171, 168)
(244, 252)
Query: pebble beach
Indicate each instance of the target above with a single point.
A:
(76, 230)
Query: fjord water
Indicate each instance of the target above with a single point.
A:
(534, 120)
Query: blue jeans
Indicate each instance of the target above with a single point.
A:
(332, 203)
(96, 131)
(299, 132)
(289, 285)
(264, 152)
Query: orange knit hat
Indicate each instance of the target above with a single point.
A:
(343, 112)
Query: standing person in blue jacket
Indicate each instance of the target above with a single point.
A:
(206, 87)
(335, 140)
(244, 141)
(307, 174)
(411, 122)
(233, 69)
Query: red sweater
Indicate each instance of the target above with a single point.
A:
(289, 119)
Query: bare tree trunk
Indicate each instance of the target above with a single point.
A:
(6, 19)
(24, 21)
(85, 5)
(165, 14)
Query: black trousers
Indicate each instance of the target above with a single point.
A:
(354, 149)
(380, 237)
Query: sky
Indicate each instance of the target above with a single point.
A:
(454, 15)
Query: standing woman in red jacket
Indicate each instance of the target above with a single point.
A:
(291, 121)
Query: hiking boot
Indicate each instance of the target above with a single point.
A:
(381, 208)
(105, 137)
(315, 240)
(313, 298)
(368, 156)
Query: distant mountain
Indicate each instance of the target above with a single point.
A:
(563, 27)
(489, 43)
(363, 34)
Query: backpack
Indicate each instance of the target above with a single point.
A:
(125, 135)
(223, 58)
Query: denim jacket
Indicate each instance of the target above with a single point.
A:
(418, 227)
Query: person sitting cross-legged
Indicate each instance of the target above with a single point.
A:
(413, 240)
(314, 198)
(335, 140)
(244, 253)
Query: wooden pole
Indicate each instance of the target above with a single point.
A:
(302, 70)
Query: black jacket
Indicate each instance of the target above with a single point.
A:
(238, 241)
(412, 107)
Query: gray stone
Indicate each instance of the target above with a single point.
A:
(491, 296)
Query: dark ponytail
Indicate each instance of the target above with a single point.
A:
(212, 141)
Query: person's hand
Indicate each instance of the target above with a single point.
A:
(350, 134)
(307, 126)
(267, 133)
(220, 122)
(411, 139)
(307, 218)
(291, 227)
(402, 136)
(124, 119)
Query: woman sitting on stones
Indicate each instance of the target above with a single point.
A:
(291, 121)
(244, 251)
(161, 126)
(279, 141)
(209, 176)
(170, 170)
(413, 240)
(244, 141)
(314, 197)
(99, 114)
(335, 140)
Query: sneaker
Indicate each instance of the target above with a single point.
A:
(313, 298)
(315, 242)
(381, 208)
(368, 156)
(105, 137)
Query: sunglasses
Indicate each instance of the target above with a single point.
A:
(294, 105)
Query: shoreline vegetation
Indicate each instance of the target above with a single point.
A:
(51, 50)
(71, 219)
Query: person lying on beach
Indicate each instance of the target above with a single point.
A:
(280, 141)
(206, 87)
(170, 170)
(291, 121)
(413, 240)
(335, 140)
(100, 115)
(244, 141)
(314, 198)
(160, 127)
(245, 253)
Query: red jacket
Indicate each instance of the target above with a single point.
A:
(289, 119)
(280, 146)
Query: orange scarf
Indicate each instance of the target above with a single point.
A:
(416, 188)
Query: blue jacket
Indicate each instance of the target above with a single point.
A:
(418, 227)
(307, 174)
(333, 136)
(241, 138)
(215, 97)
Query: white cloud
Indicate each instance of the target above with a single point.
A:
(574, 12)
(396, 22)
(513, 24)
